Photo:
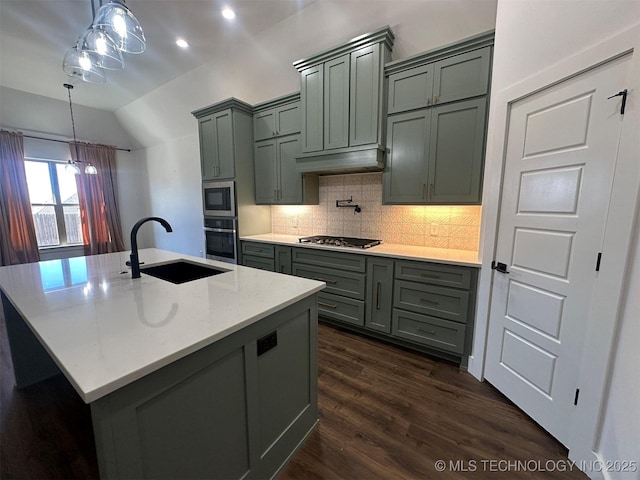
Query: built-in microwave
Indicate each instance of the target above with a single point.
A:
(220, 239)
(219, 199)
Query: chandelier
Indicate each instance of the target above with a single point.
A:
(72, 166)
(114, 31)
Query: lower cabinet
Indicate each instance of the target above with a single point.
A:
(422, 305)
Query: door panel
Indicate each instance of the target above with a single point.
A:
(223, 148)
(560, 159)
(265, 176)
(410, 89)
(336, 103)
(290, 179)
(311, 95)
(365, 89)
(462, 76)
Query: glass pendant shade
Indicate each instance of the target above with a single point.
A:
(83, 65)
(96, 41)
(117, 21)
(90, 170)
(72, 168)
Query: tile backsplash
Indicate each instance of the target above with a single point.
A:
(456, 227)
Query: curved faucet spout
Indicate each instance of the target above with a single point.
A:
(134, 262)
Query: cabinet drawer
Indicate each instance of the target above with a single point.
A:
(258, 249)
(349, 284)
(444, 275)
(259, 262)
(429, 300)
(328, 258)
(430, 331)
(340, 308)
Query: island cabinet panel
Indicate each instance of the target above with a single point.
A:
(237, 408)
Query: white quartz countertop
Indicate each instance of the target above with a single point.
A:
(467, 258)
(105, 330)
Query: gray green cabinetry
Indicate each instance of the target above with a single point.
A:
(436, 127)
(266, 256)
(276, 130)
(229, 410)
(343, 107)
(379, 298)
(223, 132)
(343, 297)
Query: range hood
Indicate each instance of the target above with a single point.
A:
(368, 158)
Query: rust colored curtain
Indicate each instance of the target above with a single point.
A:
(18, 242)
(98, 198)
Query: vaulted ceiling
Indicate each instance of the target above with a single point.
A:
(35, 34)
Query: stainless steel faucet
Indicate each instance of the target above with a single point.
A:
(134, 262)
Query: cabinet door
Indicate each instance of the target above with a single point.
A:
(411, 89)
(405, 175)
(283, 259)
(456, 152)
(288, 119)
(264, 124)
(462, 76)
(223, 150)
(290, 185)
(364, 108)
(266, 172)
(379, 295)
(208, 158)
(311, 95)
(336, 103)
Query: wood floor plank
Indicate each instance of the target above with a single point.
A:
(385, 413)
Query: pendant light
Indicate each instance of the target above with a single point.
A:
(96, 41)
(72, 166)
(117, 21)
(83, 65)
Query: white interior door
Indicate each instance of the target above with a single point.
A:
(560, 159)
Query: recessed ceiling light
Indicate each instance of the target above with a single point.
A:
(228, 13)
(182, 43)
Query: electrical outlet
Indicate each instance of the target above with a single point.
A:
(434, 229)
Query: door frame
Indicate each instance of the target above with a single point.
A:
(619, 231)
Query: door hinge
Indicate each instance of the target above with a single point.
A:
(575, 399)
(623, 94)
(598, 261)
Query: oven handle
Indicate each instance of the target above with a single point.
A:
(220, 230)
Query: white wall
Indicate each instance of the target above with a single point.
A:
(532, 35)
(50, 118)
(262, 69)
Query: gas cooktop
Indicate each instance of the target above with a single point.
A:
(340, 241)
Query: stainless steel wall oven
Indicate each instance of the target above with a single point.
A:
(221, 239)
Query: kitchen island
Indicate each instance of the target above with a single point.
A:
(213, 378)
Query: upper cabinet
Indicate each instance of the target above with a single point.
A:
(343, 106)
(276, 126)
(436, 124)
(223, 129)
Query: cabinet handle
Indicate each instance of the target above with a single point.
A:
(429, 101)
(430, 190)
(378, 296)
(432, 302)
(430, 332)
(424, 191)
(435, 99)
(429, 275)
(275, 195)
(332, 282)
(328, 305)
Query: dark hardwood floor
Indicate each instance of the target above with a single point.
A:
(385, 413)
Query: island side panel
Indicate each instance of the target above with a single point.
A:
(213, 414)
(31, 362)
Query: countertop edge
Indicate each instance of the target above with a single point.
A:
(382, 250)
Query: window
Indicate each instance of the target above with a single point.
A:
(54, 203)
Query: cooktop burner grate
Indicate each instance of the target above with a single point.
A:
(340, 241)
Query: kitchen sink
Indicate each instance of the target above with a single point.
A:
(181, 271)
